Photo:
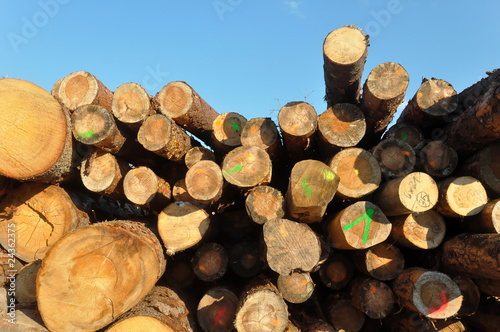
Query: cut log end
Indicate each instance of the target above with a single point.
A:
(197, 154)
(438, 159)
(462, 196)
(261, 132)
(131, 103)
(227, 128)
(383, 261)
(437, 97)
(373, 297)
(210, 262)
(204, 181)
(82, 88)
(342, 125)
(345, 46)
(102, 173)
(140, 185)
(265, 203)
(387, 81)
(247, 167)
(406, 133)
(336, 272)
(217, 309)
(396, 158)
(298, 119)
(424, 230)
(345, 316)
(296, 287)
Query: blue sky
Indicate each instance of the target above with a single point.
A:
(244, 56)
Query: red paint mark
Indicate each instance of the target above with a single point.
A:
(219, 315)
(443, 306)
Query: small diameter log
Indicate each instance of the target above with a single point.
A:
(383, 92)
(210, 262)
(344, 55)
(143, 187)
(217, 310)
(336, 272)
(438, 159)
(245, 259)
(262, 132)
(413, 193)
(359, 226)
(264, 203)
(160, 310)
(433, 294)
(488, 221)
(130, 261)
(343, 315)
(296, 287)
(406, 133)
(340, 126)
(182, 225)
(475, 255)
(485, 166)
(35, 134)
(226, 132)
(38, 215)
(372, 297)
(25, 290)
(261, 308)
(131, 104)
(311, 187)
(298, 122)
(179, 273)
(204, 182)
(197, 154)
(461, 196)
(178, 101)
(291, 246)
(162, 136)
(358, 171)
(247, 167)
(102, 173)
(396, 158)
(383, 261)
(433, 100)
(470, 293)
(82, 88)
(424, 230)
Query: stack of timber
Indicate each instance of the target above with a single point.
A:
(129, 210)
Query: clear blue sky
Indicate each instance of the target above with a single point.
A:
(246, 56)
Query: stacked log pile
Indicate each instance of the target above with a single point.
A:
(121, 211)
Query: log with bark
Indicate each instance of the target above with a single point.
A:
(425, 230)
(461, 196)
(226, 132)
(143, 187)
(247, 166)
(406, 133)
(396, 158)
(264, 133)
(264, 203)
(131, 104)
(383, 261)
(296, 287)
(485, 166)
(217, 309)
(438, 159)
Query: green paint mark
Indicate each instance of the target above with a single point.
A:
(306, 188)
(368, 216)
(404, 136)
(88, 134)
(328, 175)
(235, 126)
(234, 169)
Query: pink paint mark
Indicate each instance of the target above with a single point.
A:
(443, 306)
(219, 315)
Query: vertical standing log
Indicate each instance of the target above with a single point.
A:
(485, 166)
(262, 132)
(438, 159)
(461, 196)
(131, 104)
(197, 154)
(130, 260)
(217, 309)
(143, 187)
(344, 55)
(311, 187)
(396, 158)
(415, 192)
(383, 261)
(298, 122)
(264, 203)
(82, 88)
(204, 182)
(226, 132)
(39, 216)
(383, 92)
(247, 167)
(372, 297)
(406, 133)
(210, 262)
(296, 287)
(178, 101)
(35, 134)
(424, 230)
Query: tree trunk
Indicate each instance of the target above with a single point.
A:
(438, 159)
(415, 192)
(35, 133)
(182, 225)
(291, 246)
(359, 173)
(247, 167)
(407, 133)
(432, 293)
(226, 132)
(461, 196)
(337, 271)
(82, 88)
(262, 132)
(128, 259)
(383, 92)
(475, 255)
(261, 308)
(396, 158)
(383, 261)
(264, 203)
(372, 297)
(160, 310)
(162, 136)
(196, 154)
(485, 166)
(344, 55)
(132, 104)
(425, 230)
(210, 262)
(296, 287)
(311, 187)
(359, 226)
(143, 187)
(178, 101)
(217, 310)
(36, 216)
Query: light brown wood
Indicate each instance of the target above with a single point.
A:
(264, 203)
(337, 271)
(178, 101)
(263, 132)
(485, 166)
(296, 287)
(432, 293)
(25, 291)
(396, 158)
(131, 104)
(359, 226)
(26, 320)
(290, 246)
(247, 167)
(415, 192)
(180, 194)
(383, 261)
(35, 134)
(39, 215)
(425, 230)
(311, 187)
(196, 154)
(217, 309)
(143, 187)
(226, 131)
(372, 297)
(9, 265)
(438, 159)
(72, 296)
(461, 196)
(182, 225)
(344, 56)
(359, 172)
(204, 182)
